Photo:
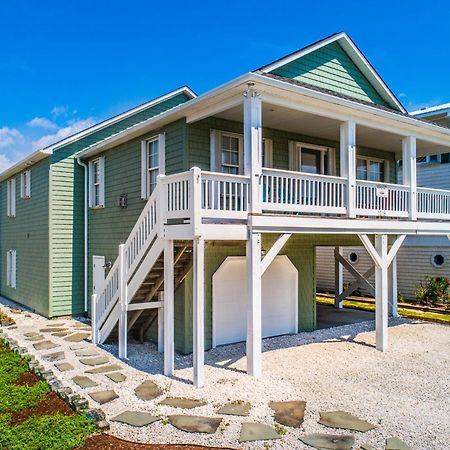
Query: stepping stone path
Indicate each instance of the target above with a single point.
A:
(236, 408)
(86, 352)
(52, 330)
(45, 345)
(342, 419)
(394, 443)
(31, 334)
(328, 441)
(64, 366)
(178, 402)
(148, 390)
(96, 361)
(37, 337)
(195, 424)
(103, 396)
(117, 377)
(84, 382)
(104, 369)
(257, 432)
(135, 418)
(53, 357)
(290, 413)
(61, 333)
(77, 337)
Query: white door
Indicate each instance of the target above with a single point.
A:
(279, 300)
(98, 272)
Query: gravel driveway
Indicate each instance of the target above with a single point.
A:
(405, 391)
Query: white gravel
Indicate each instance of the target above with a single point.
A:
(405, 391)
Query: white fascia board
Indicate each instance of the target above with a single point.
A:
(192, 107)
(433, 109)
(25, 163)
(75, 137)
(357, 57)
(434, 133)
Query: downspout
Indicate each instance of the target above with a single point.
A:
(86, 255)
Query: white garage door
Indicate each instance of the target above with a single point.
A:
(279, 300)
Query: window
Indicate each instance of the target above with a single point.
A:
(438, 260)
(25, 184)
(11, 268)
(152, 161)
(429, 159)
(97, 183)
(371, 169)
(353, 257)
(310, 158)
(11, 198)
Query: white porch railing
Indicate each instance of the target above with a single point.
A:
(433, 203)
(381, 199)
(288, 191)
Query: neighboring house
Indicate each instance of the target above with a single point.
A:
(419, 256)
(204, 220)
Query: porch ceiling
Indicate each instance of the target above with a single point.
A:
(300, 122)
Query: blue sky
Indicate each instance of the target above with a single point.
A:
(66, 65)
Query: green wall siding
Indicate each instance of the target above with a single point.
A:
(67, 209)
(27, 233)
(331, 68)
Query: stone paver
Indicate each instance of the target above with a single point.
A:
(394, 443)
(77, 337)
(135, 418)
(35, 338)
(148, 390)
(236, 408)
(328, 441)
(103, 396)
(52, 330)
(87, 352)
(251, 431)
(64, 366)
(195, 424)
(45, 345)
(53, 357)
(96, 361)
(104, 369)
(61, 333)
(31, 334)
(342, 419)
(367, 447)
(290, 413)
(179, 402)
(117, 377)
(84, 382)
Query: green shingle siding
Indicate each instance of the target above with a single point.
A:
(331, 68)
(27, 233)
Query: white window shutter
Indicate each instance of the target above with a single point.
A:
(91, 185)
(162, 153)
(13, 269)
(144, 170)
(28, 189)
(13, 197)
(8, 268)
(387, 171)
(268, 153)
(23, 181)
(101, 162)
(8, 198)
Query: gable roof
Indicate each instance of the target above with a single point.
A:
(439, 114)
(357, 58)
(43, 153)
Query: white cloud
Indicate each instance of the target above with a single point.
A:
(59, 111)
(62, 133)
(9, 136)
(5, 162)
(42, 122)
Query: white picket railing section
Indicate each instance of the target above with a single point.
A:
(288, 191)
(433, 203)
(224, 195)
(176, 195)
(381, 199)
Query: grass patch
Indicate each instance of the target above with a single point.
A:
(39, 432)
(404, 312)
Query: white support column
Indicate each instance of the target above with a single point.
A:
(338, 278)
(381, 293)
(254, 316)
(196, 201)
(348, 163)
(169, 353)
(161, 324)
(253, 145)
(123, 318)
(94, 319)
(393, 292)
(199, 312)
(410, 173)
